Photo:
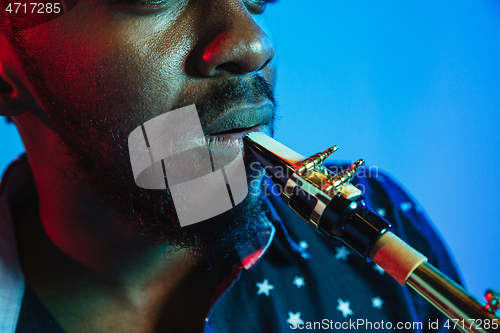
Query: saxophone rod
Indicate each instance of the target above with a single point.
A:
(336, 209)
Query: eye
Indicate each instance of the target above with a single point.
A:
(258, 6)
(147, 6)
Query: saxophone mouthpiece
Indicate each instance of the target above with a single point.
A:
(279, 161)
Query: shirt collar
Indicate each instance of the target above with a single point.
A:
(250, 255)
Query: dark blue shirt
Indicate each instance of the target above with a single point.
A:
(305, 281)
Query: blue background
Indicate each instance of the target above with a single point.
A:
(411, 87)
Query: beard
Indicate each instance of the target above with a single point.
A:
(97, 145)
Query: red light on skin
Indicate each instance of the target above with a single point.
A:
(214, 49)
(207, 55)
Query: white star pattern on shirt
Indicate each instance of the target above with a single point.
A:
(342, 253)
(303, 245)
(378, 269)
(381, 212)
(377, 302)
(264, 287)
(299, 281)
(405, 206)
(294, 318)
(344, 307)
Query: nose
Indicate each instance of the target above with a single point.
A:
(242, 47)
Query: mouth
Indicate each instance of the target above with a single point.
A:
(234, 123)
(225, 134)
(230, 143)
(236, 133)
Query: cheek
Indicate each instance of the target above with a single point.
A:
(108, 70)
(61, 62)
(269, 71)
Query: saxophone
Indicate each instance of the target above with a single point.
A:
(336, 209)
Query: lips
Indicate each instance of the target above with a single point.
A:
(225, 134)
(236, 122)
(236, 134)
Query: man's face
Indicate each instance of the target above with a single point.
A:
(107, 66)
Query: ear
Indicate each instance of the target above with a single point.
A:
(12, 101)
(15, 99)
(8, 105)
(15, 95)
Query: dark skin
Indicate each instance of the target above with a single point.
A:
(134, 62)
(166, 294)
